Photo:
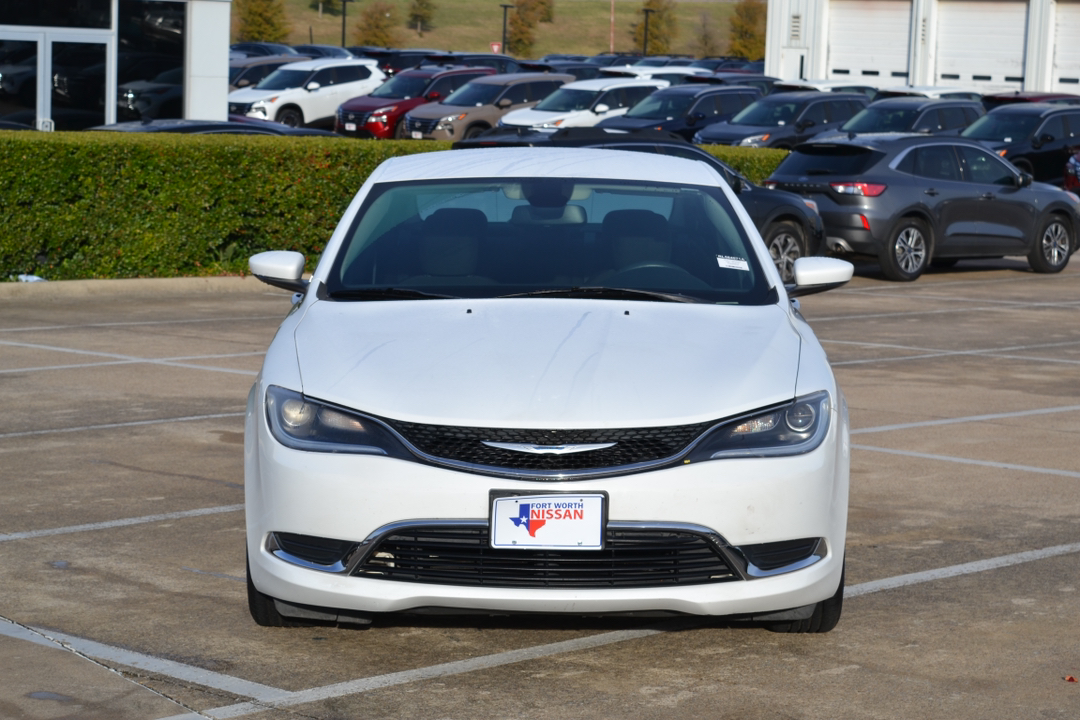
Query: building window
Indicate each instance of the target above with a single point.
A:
(796, 31)
(57, 13)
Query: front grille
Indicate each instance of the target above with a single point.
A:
(353, 117)
(421, 125)
(632, 445)
(632, 558)
(239, 108)
(776, 555)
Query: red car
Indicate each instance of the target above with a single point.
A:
(1072, 173)
(1028, 96)
(382, 113)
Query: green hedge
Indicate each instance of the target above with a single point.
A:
(111, 205)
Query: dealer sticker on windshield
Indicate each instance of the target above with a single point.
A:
(733, 263)
(548, 522)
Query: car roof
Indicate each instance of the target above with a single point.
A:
(1034, 108)
(928, 90)
(808, 95)
(319, 63)
(515, 78)
(706, 89)
(921, 101)
(511, 162)
(811, 84)
(891, 141)
(607, 83)
(264, 59)
(430, 71)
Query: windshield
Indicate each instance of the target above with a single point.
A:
(283, 79)
(568, 100)
(1003, 127)
(548, 237)
(661, 107)
(401, 87)
(767, 113)
(474, 94)
(881, 120)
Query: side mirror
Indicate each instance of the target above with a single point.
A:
(1024, 180)
(312, 86)
(818, 274)
(433, 96)
(280, 268)
(803, 124)
(601, 109)
(695, 118)
(242, 82)
(503, 103)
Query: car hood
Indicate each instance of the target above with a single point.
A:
(250, 94)
(434, 110)
(628, 123)
(366, 103)
(729, 132)
(530, 117)
(547, 362)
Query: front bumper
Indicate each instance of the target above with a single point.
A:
(356, 497)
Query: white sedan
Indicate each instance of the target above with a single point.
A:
(546, 380)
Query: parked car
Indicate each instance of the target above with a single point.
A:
(947, 92)
(83, 87)
(501, 63)
(789, 223)
(673, 74)
(307, 92)
(663, 61)
(995, 100)
(316, 51)
(249, 71)
(606, 59)
(912, 200)
(1072, 173)
(381, 114)
(480, 104)
(581, 388)
(715, 62)
(251, 49)
(764, 83)
(235, 125)
(1038, 138)
(161, 97)
(580, 70)
(394, 60)
(583, 103)
(784, 120)
(825, 86)
(684, 109)
(563, 57)
(911, 114)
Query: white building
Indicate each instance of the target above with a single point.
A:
(988, 45)
(62, 62)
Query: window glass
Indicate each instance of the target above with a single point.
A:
(325, 77)
(827, 160)
(930, 121)
(284, 79)
(634, 95)
(352, 73)
(971, 114)
(57, 13)
(982, 167)
(1002, 126)
(491, 237)
(937, 162)
(767, 113)
(444, 86)
(815, 113)
(953, 118)
(516, 94)
(568, 100)
(1055, 127)
(1072, 123)
(474, 95)
(666, 106)
(401, 86)
(540, 90)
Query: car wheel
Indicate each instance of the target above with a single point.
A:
(786, 244)
(826, 615)
(400, 133)
(907, 250)
(1050, 254)
(474, 131)
(291, 117)
(262, 608)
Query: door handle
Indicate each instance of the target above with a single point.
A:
(930, 191)
(987, 196)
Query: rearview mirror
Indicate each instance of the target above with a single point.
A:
(280, 268)
(818, 274)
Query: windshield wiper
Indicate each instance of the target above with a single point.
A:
(388, 293)
(609, 293)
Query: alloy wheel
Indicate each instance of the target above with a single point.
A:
(1055, 243)
(911, 250)
(784, 249)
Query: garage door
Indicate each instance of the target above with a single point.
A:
(868, 39)
(1066, 77)
(981, 44)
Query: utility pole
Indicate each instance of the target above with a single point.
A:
(345, 4)
(505, 8)
(645, 48)
(611, 45)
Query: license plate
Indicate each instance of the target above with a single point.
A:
(550, 521)
(417, 135)
(350, 127)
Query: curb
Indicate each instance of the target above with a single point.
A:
(134, 287)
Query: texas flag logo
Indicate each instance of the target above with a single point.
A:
(525, 519)
(533, 516)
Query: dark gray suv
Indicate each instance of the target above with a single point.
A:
(911, 199)
(784, 120)
(911, 114)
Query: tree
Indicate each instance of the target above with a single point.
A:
(662, 29)
(519, 30)
(330, 7)
(421, 13)
(261, 21)
(748, 30)
(378, 25)
(545, 10)
(705, 41)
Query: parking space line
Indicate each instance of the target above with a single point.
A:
(110, 426)
(1069, 304)
(887, 287)
(122, 522)
(967, 419)
(77, 366)
(140, 323)
(924, 353)
(354, 687)
(969, 461)
(127, 358)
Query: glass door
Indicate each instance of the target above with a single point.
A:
(21, 75)
(81, 83)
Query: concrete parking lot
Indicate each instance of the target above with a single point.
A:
(121, 530)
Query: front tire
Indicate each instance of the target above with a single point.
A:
(786, 242)
(291, 116)
(1053, 245)
(474, 131)
(400, 133)
(906, 253)
(826, 615)
(262, 608)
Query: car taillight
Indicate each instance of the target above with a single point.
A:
(858, 188)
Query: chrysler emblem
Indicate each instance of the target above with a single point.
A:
(548, 449)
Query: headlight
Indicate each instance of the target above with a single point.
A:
(792, 429)
(754, 140)
(301, 423)
(447, 123)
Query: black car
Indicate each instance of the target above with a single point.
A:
(716, 62)
(580, 70)
(502, 63)
(911, 115)
(789, 224)
(608, 59)
(235, 125)
(764, 83)
(1038, 138)
(784, 120)
(911, 200)
(393, 60)
(261, 48)
(683, 109)
(317, 51)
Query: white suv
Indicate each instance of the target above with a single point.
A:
(583, 103)
(307, 92)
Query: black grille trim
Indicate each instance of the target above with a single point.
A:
(632, 446)
(423, 125)
(462, 556)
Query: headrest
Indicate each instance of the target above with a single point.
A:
(566, 215)
(635, 222)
